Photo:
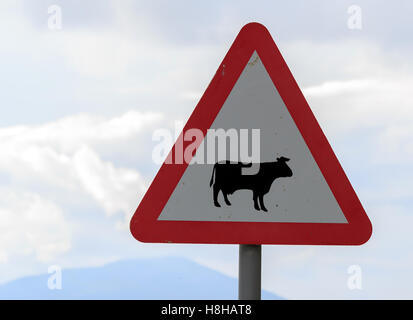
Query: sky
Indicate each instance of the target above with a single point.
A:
(79, 105)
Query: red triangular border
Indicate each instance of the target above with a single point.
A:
(144, 224)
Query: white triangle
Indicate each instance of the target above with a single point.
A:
(255, 102)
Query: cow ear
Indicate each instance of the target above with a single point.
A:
(278, 159)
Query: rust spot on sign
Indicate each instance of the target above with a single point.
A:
(253, 62)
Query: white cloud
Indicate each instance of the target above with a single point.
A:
(69, 133)
(48, 170)
(337, 87)
(363, 103)
(62, 154)
(115, 189)
(31, 225)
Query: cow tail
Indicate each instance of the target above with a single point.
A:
(212, 177)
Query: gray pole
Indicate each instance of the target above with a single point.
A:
(249, 276)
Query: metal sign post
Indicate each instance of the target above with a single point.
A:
(249, 277)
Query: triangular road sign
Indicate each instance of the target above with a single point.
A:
(297, 193)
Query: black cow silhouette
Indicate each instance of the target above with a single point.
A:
(228, 179)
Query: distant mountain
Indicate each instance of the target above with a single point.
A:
(163, 278)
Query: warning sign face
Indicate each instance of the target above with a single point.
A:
(252, 164)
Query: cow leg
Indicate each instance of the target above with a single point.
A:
(226, 198)
(254, 196)
(261, 198)
(216, 191)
